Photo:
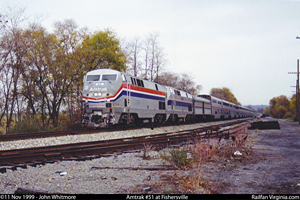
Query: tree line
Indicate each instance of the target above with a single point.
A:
(282, 107)
(41, 73)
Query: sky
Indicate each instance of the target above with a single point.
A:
(247, 46)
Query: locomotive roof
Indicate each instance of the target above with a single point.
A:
(97, 71)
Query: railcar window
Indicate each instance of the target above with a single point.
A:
(93, 78)
(109, 77)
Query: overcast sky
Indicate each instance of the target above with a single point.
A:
(247, 46)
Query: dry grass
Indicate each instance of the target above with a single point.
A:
(206, 151)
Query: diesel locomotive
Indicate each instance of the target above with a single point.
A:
(111, 97)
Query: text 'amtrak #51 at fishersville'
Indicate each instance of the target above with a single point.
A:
(112, 97)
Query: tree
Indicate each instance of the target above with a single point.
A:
(12, 51)
(145, 59)
(280, 107)
(180, 81)
(225, 94)
(102, 50)
(154, 57)
(133, 50)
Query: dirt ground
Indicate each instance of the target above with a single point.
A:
(270, 164)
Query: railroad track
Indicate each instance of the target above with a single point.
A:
(91, 150)
(23, 136)
(45, 134)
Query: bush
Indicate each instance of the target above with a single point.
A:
(26, 126)
(177, 157)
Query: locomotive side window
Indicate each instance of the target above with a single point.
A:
(162, 105)
(109, 77)
(177, 92)
(156, 87)
(140, 82)
(93, 78)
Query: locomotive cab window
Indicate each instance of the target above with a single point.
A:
(123, 78)
(109, 77)
(93, 78)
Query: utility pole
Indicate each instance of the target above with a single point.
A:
(297, 88)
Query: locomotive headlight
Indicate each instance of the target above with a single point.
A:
(97, 94)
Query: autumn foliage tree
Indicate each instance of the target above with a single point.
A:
(280, 107)
(41, 73)
(225, 94)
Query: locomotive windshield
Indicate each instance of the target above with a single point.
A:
(105, 77)
(93, 78)
(109, 77)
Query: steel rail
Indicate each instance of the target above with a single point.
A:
(45, 134)
(98, 148)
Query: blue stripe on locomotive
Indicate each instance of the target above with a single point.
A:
(132, 94)
(179, 103)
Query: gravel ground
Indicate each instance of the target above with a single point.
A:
(272, 165)
(81, 177)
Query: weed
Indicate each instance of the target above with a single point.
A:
(147, 148)
(176, 156)
(203, 150)
(167, 191)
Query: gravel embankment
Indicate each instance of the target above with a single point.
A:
(83, 177)
(93, 137)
